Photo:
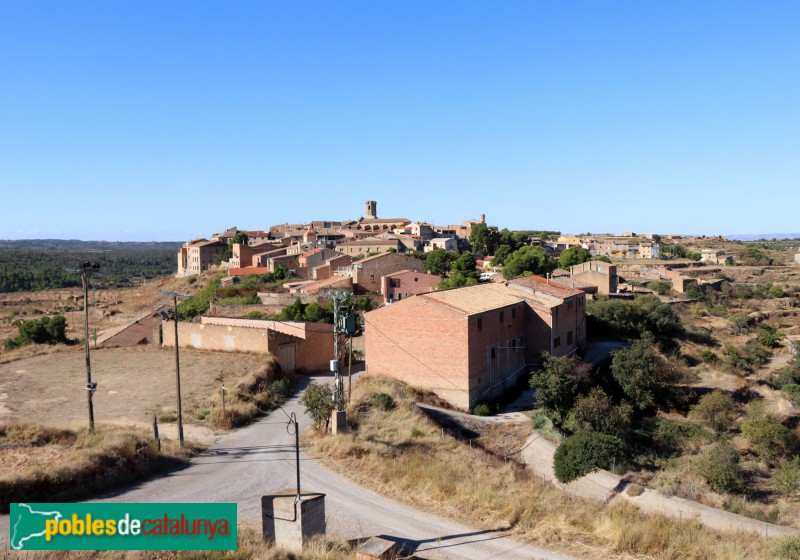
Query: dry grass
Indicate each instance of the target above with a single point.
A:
(258, 392)
(401, 453)
(89, 463)
(251, 546)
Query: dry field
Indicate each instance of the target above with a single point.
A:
(133, 383)
(107, 308)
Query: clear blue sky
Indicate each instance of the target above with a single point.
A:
(145, 120)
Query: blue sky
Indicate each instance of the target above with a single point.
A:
(168, 120)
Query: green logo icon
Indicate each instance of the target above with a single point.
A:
(122, 526)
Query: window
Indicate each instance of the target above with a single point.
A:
(557, 342)
(502, 316)
(493, 353)
(513, 312)
(569, 338)
(569, 304)
(480, 323)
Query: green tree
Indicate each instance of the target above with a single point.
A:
(292, 312)
(641, 373)
(438, 262)
(786, 477)
(47, 330)
(239, 237)
(501, 253)
(715, 410)
(557, 383)
(482, 239)
(526, 261)
(767, 436)
(585, 452)
(573, 256)
(315, 313)
(457, 280)
(597, 412)
(720, 467)
(318, 402)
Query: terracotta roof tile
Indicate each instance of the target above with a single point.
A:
(475, 299)
(543, 286)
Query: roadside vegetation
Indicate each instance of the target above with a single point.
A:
(50, 465)
(400, 452)
(699, 405)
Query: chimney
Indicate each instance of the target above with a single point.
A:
(483, 218)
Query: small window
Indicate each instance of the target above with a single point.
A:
(557, 342)
(513, 312)
(502, 316)
(569, 304)
(480, 323)
(493, 353)
(569, 338)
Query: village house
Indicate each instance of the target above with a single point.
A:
(199, 255)
(297, 346)
(407, 283)
(445, 243)
(601, 274)
(367, 246)
(470, 344)
(367, 273)
(713, 256)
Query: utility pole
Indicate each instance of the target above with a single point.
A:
(343, 323)
(177, 360)
(84, 269)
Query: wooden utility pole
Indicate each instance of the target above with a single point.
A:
(177, 361)
(84, 269)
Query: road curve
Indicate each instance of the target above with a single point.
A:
(260, 459)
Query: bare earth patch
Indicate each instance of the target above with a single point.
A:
(132, 384)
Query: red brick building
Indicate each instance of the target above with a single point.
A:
(367, 273)
(407, 283)
(472, 343)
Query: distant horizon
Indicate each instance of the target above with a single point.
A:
(731, 237)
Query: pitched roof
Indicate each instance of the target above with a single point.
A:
(369, 241)
(542, 286)
(475, 299)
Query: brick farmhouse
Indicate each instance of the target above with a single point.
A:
(469, 344)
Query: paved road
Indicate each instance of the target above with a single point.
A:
(259, 459)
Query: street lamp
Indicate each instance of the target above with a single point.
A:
(177, 360)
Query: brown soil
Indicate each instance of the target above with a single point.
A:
(132, 384)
